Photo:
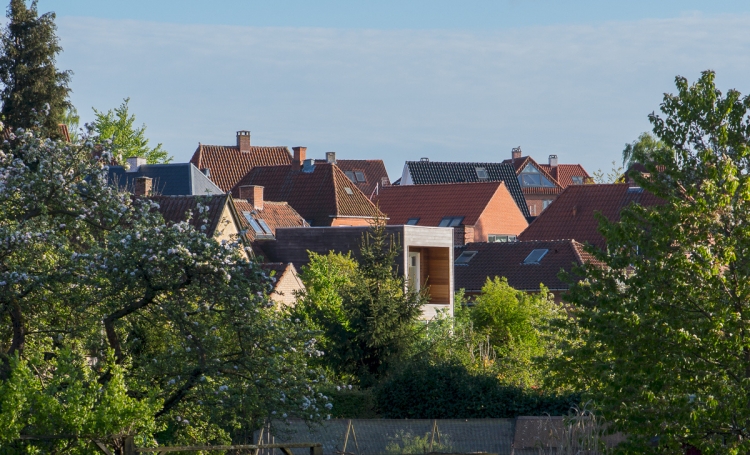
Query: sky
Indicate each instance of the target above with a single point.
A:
(398, 80)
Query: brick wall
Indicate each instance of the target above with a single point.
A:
(501, 216)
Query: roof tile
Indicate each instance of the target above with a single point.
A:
(227, 164)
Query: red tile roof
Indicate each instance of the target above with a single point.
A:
(571, 216)
(431, 203)
(275, 214)
(507, 260)
(174, 209)
(373, 170)
(562, 174)
(227, 164)
(318, 195)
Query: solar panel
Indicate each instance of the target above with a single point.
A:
(535, 256)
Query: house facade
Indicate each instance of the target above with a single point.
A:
(542, 183)
(477, 212)
(425, 260)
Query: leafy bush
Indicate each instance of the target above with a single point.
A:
(352, 404)
(450, 391)
(407, 443)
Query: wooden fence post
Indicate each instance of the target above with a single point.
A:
(129, 446)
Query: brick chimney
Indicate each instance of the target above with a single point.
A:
(253, 194)
(515, 153)
(142, 186)
(553, 161)
(243, 141)
(331, 157)
(300, 153)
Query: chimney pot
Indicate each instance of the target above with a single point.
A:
(553, 161)
(253, 194)
(143, 186)
(331, 157)
(300, 153)
(135, 162)
(424, 159)
(243, 141)
(516, 152)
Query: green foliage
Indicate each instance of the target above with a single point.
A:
(127, 140)
(352, 403)
(451, 391)
(615, 175)
(664, 324)
(63, 397)
(404, 442)
(188, 318)
(31, 83)
(72, 120)
(641, 150)
(367, 318)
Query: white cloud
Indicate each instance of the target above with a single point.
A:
(578, 91)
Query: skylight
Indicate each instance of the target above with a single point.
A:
(265, 226)
(351, 176)
(451, 221)
(348, 190)
(412, 221)
(465, 257)
(360, 176)
(482, 173)
(535, 256)
(253, 224)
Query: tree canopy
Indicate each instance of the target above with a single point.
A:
(127, 140)
(31, 84)
(665, 345)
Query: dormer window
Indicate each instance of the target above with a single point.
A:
(530, 176)
(482, 173)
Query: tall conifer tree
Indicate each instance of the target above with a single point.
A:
(29, 78)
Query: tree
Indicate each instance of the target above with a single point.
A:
(640, 150)
(615, 175)
(665, 345)
(516, 326)
(31, 82)
(185, 319)
(127, 140)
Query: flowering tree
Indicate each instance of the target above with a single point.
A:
(187, 320)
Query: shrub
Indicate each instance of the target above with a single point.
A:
(450, 391)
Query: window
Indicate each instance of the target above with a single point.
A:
(265, 226)
(348, 191)
(546, 203)
(535, 256)
(451, 221)
(412, 221)
(482, 173)
(577, 180)
(351, 176)
(465, 257)
(414, 271)
(530, 176)
(360, 176)
(495, 238)
(253, 224)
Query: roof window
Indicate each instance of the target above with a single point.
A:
(465, 257)
(577, 180)
(259, 226)
(482, 173)
(265, 227)
(351, 176)
(535, 256)
(360, 176)
(412, 221)
(635, 189)
(348, 191)
(451, 221)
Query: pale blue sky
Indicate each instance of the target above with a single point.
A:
(399, 80)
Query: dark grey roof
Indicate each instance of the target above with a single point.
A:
(182, 179)
(433, 172)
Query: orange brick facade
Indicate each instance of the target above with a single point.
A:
(351, 221)
(501, 216)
